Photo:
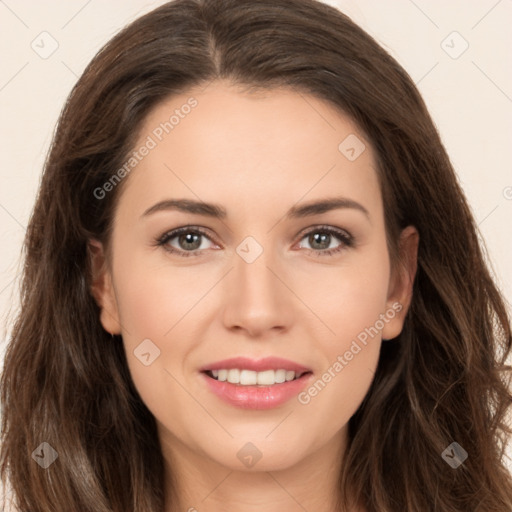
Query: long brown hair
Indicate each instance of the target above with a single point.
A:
(443, 380)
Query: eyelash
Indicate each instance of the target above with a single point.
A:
(346, 239)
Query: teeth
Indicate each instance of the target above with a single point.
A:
(233, 375)
(251, 378)
(289, 376)
(280, 376)
(247, 378)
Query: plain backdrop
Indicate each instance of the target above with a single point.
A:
(457, 52)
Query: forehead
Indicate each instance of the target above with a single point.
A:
(268, 146)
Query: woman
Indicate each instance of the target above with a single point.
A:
(252, 282)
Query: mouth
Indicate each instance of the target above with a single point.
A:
(256, 384)
(256, 390)
(244, 377)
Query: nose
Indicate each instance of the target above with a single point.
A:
(258, 299)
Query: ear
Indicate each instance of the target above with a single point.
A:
(401, 283)
(102, 288)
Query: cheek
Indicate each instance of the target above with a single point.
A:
(153, 298)
(348, 297)
(349, 363)
(351, 301)
(153, 302)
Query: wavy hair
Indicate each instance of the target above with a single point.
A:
(443, 379)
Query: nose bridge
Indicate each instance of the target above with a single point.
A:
(256, 297)
(253, 262)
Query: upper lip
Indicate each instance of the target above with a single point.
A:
(257, 365)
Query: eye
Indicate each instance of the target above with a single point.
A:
(321, 237)
(188, 240)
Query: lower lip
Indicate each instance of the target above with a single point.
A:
(257, 397)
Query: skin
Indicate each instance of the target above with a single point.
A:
(257, 155)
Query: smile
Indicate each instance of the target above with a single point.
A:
(253, 378)
(256, 390)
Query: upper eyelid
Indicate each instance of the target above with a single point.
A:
(325, 227)
(172, 233)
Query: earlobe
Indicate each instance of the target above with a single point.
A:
(401, 283)
(102, 288)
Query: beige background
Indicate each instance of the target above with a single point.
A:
(469, 95)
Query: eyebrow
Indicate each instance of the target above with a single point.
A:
(218, 212)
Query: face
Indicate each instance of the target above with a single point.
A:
(262, 273)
